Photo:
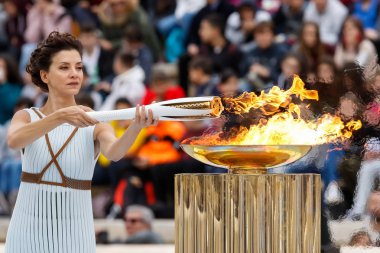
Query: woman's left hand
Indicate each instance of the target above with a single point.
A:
(144, 118)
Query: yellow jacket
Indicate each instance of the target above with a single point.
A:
(119, 131)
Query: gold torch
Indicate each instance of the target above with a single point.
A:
(182, 109)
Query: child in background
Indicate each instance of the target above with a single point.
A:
(163, 86)
(291, 65)
(129, 82)
(134, 42)
(229, 84)
(202, 80)
(261, 65)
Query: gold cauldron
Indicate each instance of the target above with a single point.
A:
(246, 159)
(248, 210)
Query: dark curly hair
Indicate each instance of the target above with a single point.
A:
(41, 57)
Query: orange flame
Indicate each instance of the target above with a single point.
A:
(281, 121)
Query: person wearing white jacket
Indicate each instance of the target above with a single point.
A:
(329, 15)
(129, 82)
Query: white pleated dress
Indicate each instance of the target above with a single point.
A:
(51, 218)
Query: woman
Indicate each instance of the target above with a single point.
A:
(60, 144)
(310, 47)
(353, 46)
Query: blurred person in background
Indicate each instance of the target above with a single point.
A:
(97, 60)
(327, 72)
(161, 156)
(328, 84)
(360, 239)
(354, 104)
(148, 177)
(174, 27)
(10, 87)
(138, 223)
(202, 79)
(229, 85)
(32, 92)
(353, 46)
(241, 24)
(14, 27)
(10, 164)
(128, 83)
(220, 7)
(309, 46)
(117, 169)
(367, 11)
(350, 108)
(326, 80)
(84, 12)
(288, 20)
(354, 79)
(116, 175)
(163, 86)
(43, 17)
(134, 42)
(369, 170)
(261, 65)
(371, 114)
(181, 17)
(214, 45)
(329, 15)
(370, 166)
(291, 65)
(4, 44)
(116, 15)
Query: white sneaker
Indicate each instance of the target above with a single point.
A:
(333, 194)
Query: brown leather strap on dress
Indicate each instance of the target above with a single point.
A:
(66, 181)
(70, 182)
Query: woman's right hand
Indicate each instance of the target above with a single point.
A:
(76, 116)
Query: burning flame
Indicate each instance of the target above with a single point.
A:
(278, 120)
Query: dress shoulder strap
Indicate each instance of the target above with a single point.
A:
(32, 114)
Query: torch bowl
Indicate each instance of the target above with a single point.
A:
(246, 159)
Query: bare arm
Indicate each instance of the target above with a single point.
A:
(22, 132)
(114, 149)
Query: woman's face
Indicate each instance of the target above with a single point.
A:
(65, 74)
(350, 33)
(309, 35)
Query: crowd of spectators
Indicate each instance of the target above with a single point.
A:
(141, 51)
